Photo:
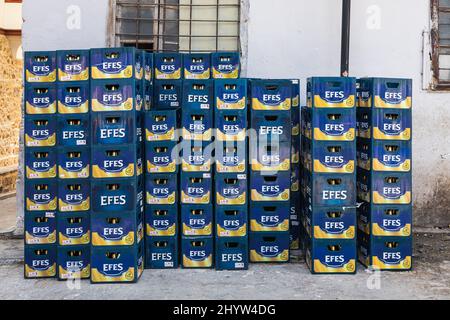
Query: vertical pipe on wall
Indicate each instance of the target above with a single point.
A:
(345, 40)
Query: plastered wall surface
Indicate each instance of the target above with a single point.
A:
(10, 116)
(301, 38)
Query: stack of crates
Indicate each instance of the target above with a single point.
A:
(231, 186)
(270, 169)
(73, 138)
(117, 151)
(161, 182)
(197, 238)
(329, 175)
(294, 228)
(384, 173)
(41, 182)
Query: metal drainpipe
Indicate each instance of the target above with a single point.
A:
(345, 40)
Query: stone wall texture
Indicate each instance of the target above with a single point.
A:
(11, 92)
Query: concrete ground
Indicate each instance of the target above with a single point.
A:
(7, 213)
(430, 279)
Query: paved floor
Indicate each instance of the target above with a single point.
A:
(7, 213)
(284, 282)
(429, 280)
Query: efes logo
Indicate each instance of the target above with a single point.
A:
(197, 227)
(225, 66)
(234, 129)
(271, 99)
(40, 68)
(335, 159)
(393, 254)
(271, 190)
(41, 197)
(112, 99)
(334, 230)
(196, 192)
(272, 163)
(334, 96)
(334, 131)
(335, 227)
(111, 66)
(269, 251)
(269, 223)
(113, 269)
(160, 129)
(114, 163)
(278, 98)
(113, 96)
(40, 138)
(161, 196)
(269, 248)
(73, 97)
(392, 190)
(392, 262)
(75, 270)
(391, 227)
(73, 67)
(161, 161)
(232, 196)
(263, 191)
(41, 170)
(108, 65)
(393, 97)
(112, 133)
(41, 230)
(40, 202)
(330, 93)
(334, 258)
(231, 160)
(334, 261)
(160, 192)
(198, 127)
(231, 96)
(391, 158)
(74, 197)
(43, 70)
(74, 232)
(392, 125)
(115, 234)
(197, 253)
(392, 193)
(231, 128)
(168, 67)
(40, 133)
(197, 68)
(74, 235)
(231, 228)
(41, 101)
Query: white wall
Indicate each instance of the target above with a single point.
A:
(10, 15)
(301, 38)
(64, 24)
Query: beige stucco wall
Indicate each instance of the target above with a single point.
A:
(10, 15)
(10, 115)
